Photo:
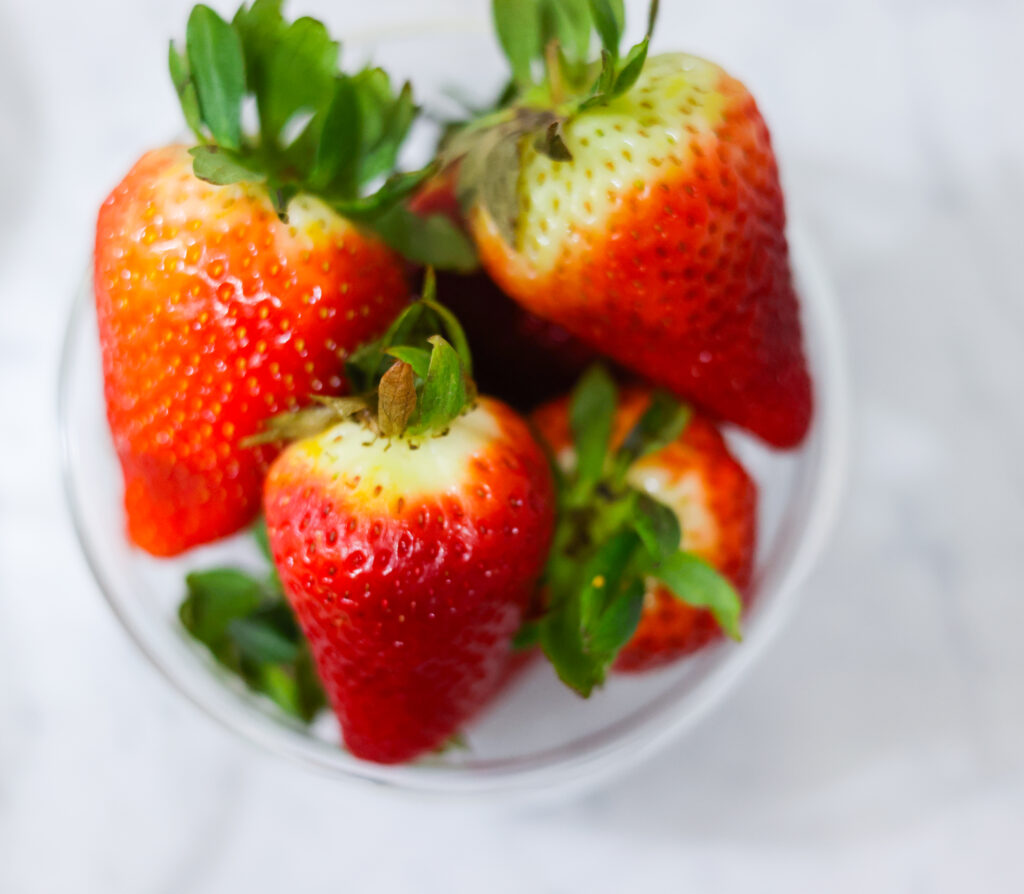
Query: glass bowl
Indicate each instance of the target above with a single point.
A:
(537, 736)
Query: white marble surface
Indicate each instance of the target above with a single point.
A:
(879, 745)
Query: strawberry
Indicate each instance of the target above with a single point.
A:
(520, 357)
(232, 279)
(213, 315)
(715, 503)
(650, 502)
(409, 542)
(641, 211)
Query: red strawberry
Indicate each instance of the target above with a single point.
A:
(410, 553)
(644, 214)
(519, 357)
(214, 315)
(233, 279)
(715, 501)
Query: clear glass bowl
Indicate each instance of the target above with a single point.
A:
(537, 737)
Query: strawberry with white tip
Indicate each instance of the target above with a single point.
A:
(636, 202)
(409, 535)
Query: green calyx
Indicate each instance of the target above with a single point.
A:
(611, 539)
(317, 129)
(423, 381)
(411, 382)
(548, 44)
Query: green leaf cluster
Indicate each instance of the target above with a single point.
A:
(316, 129)
(248, 626)
(548, 44)
(611, 539)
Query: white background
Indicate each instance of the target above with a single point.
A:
(878, 745)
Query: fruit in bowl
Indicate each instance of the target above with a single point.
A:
(255, 310)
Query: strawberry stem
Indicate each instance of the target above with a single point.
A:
(553, 66)
(396, 399)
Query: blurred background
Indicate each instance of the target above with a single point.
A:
(879, 743)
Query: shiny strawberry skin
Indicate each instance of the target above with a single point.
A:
(716, 503)
(213, 315)
(662, 244)
(410, 570)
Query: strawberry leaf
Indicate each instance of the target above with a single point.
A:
(217, 68)
(309, 421)
(552, 143)
(444, 395)
(298, 75)
(518, 27)
(631, 68)
(259, 641)
(451, 324)
(394, 116)
(222, 166)
(499, 192)
(181, 75)
(597, 612)
(697, 583)
(569, 22)
(433, 240)
(338, 149)
(527, 636)
(215, 598)
(609, 20)
(562, 642)
(319, 130)
(591, 411)
(367, 363)
(610, 539)
(617, 624)
(417, 358)
(395, 188)
(656, 525)
(248, 627)
(662, 422)
(602, 575)
(258, 27)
